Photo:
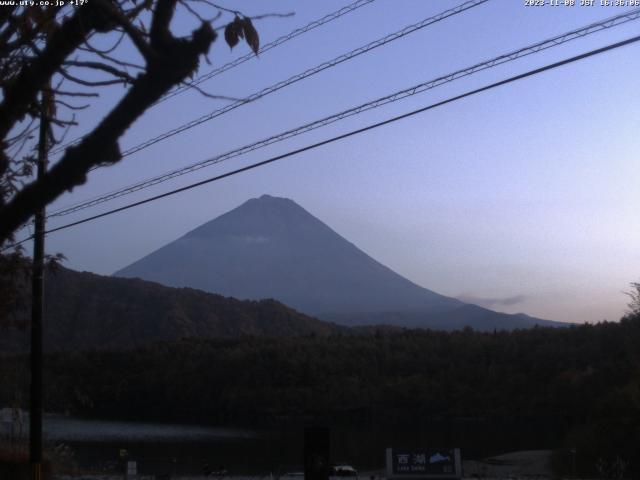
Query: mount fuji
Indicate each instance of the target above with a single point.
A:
(271, 247)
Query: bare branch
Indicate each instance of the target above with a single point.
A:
(109, 50)
(11, 140)
(114, 60)
(62, 137)
(18, 146)
(74, 94)
(220, 7)
(90, 83)
(210, 95)
(177, 60)
(240, 14)
(185, 3)
(273, 15)
(133, 33)
(63, 41)
(72, 107)
(102, 66)
(62, 123)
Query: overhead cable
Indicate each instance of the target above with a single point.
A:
(306, 74)
(414, 90)
(249, 56)
(277, 42)
(350, 134)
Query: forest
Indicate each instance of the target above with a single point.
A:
(580, 385)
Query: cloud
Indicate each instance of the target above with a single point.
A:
(493, 302)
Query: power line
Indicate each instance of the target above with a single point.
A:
(306, 74)
(14, 245)
(353, 132)
(249, 56)
(343, 136)
(414, 90)
(279, 41)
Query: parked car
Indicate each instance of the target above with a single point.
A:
(342, 471)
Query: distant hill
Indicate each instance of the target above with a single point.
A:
(467, 315)
(271, 247)
(84, 310)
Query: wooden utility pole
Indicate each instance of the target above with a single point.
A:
(37, 300)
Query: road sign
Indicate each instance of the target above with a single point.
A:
(424, 463)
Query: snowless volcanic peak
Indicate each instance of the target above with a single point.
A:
(271, 247)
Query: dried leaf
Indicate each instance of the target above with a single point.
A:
(231, 34)
(251, 35)
(238, 23)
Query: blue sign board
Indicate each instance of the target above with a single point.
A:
(424, 463)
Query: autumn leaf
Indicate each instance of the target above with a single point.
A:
(238, 24)
(250, 34)
(231, 33)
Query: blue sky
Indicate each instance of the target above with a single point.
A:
(523, 198)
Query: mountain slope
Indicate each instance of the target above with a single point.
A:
(84, 310)
(271, 247)
(467, 315)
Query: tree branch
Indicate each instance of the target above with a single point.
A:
(102, 66)
(64, 40)
(176, 61)
(70, 106)
(160, 35)
(74, 94)
(133, 33)
(90, 83)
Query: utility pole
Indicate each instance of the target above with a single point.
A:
(37, 299)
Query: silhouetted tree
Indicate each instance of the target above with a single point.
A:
(634, 294)
(53, 48)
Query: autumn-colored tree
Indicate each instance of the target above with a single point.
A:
(54, 49)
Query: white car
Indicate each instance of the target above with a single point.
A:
(342, 471)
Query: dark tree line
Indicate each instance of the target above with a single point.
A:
(584, 381)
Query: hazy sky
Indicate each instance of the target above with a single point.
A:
(522, 199)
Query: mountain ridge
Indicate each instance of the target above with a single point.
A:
(84, 310)
(271, 247)
(279, 241)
